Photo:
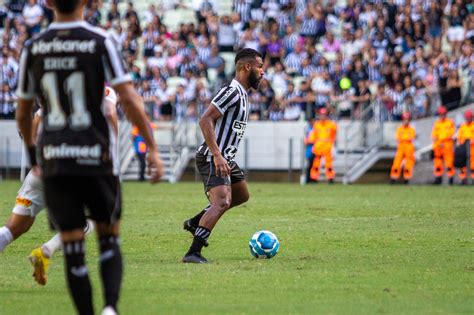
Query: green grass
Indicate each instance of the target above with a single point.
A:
(344, 250)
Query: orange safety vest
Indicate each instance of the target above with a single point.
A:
(466, 132)
(323, 130)
(443, 130)
(405, 134)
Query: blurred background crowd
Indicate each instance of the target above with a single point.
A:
(368, 60)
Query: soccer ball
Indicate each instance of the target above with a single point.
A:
(264, 244)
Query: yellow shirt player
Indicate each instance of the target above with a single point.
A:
(466, 132)
(323, 136)
(405, 136)
(443, 146)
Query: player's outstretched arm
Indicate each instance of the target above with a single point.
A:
(207, 124)
(134, 109)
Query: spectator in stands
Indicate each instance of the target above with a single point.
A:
(420, 100)
(361, 99)
(7, 102)
(226, 37)
(204, 9)
(33, 15)
(149, 99)
(291, 102)
(164, 98)
(294, 59)
(92, 14)
(274, 50)
(113, 15)
(451, 96)
(180, 101)
(216, 62)
(456, 30)
(331, 45)
(322, 88)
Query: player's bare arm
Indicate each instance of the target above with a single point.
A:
(134, 109)
(208, 124)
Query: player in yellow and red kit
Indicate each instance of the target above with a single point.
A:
(323, 136)
(466, 132)
(443, 146)
(405, 155)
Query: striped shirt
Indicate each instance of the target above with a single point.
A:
(243, 8)
(293, 61)
(204, 53)
(232, 102)
(374, 73)
(309, 26)
(290, 41)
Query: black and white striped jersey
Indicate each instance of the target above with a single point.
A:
(232, 103)
(66, 67)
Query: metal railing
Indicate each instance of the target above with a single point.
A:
(357, 129)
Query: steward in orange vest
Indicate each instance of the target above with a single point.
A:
(405, 135)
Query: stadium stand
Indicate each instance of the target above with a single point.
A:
(405, 56)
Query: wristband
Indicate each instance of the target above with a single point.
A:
(32, 155)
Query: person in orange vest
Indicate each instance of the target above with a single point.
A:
(405, 136)
(140, 149)
(466, 132)
(323, 137)
(443, 146)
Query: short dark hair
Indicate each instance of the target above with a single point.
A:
(247, 53)
(66, 6)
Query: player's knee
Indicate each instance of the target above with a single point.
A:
(224, 204)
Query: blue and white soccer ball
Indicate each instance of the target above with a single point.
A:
(264, 244)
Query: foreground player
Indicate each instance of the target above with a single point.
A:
(223, 126)
(30, 202)
(67, 66)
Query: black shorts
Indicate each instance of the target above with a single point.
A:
(68, 196)
(210, 179)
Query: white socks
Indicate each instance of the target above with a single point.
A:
(52, 246)
(6, 237)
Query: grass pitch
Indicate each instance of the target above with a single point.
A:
(344, 250)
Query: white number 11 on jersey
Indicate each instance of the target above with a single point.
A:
(80, 118)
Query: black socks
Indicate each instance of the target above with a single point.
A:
(78, 276)
(200, 239)
(111, 268)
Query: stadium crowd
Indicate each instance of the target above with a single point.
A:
(360, 59)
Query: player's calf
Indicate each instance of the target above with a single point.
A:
(77, 275)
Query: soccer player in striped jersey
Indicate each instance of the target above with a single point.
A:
(223, 126)
(67, 67)
(30, 202)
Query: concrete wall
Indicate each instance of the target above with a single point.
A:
(266, 145)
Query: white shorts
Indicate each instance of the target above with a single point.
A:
(30, 201)
(456, 34)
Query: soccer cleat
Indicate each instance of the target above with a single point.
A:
(451, 181)
(331, 181)
(195, 258)
(406, 181)
(189, 227)
(437, 181)
(40, 265)
(109, 310)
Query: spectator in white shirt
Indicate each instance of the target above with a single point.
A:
(33, 15)
(226, 36)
